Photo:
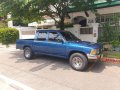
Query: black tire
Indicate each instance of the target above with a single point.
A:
(28, 54)
(78, 61)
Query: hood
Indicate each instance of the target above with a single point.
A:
(87, 44)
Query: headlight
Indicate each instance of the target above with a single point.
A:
(93, 52)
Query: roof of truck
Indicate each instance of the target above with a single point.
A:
(49, 30)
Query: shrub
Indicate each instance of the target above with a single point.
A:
(115, 43)
(66, 25)
(8, 35)
(110, 35)
(3, 24)
(1, 32)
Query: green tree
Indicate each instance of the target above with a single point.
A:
(3, 24)
(111, 31)
(58, 8)
(34, 10)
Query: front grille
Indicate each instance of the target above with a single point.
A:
(99, 51)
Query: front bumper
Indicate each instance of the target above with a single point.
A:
(94, 57)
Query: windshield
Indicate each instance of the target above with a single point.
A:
(69, 36)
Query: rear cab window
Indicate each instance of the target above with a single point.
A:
(42, 36)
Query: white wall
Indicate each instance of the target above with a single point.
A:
(92, 16)
(26, 31)
(92, 37)
(73, 30)
(85, 37)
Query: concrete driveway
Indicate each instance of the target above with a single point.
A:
(49, 73)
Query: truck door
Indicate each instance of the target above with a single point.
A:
(41, 43)
(56, 45)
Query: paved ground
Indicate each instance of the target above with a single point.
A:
(48, 73)
(4, 86)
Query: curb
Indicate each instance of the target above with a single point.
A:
(110, 60)
(15, 84)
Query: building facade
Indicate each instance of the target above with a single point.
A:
(89, 27)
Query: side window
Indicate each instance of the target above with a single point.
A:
(54, 37)
(42, 36)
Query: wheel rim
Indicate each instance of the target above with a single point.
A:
(77, 62)
(27, 53)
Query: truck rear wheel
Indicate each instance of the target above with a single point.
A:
(78, 61)
(28, 54)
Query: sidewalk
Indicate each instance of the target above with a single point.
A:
(4, 46)
(10, 84)
(10, 66)
(49, 73)
(5, 86)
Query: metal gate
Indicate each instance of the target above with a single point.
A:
(116, 31)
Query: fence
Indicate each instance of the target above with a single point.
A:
(116, 31)
(26, 32)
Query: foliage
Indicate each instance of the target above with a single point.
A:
(112, 54)
(67, 25)
(115, 43)
(3, 24)
(20, 22)
(34, 10)
(110, 34)
(107, 34)
(8, 35)
(1, 32)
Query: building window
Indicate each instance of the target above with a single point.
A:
(86, 30)
(106, 18)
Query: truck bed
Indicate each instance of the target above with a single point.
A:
(20, 43)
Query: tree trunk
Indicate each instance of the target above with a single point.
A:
(62, 25)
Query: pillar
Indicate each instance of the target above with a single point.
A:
(95, 31)
(76, 30)
(10, 23)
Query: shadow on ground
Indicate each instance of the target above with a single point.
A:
(57, 63)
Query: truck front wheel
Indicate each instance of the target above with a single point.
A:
(78, 61)
(28, 54)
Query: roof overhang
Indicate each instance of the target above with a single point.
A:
(98, 6)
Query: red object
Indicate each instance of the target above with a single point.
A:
(112, 60)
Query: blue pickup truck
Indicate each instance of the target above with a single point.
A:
(61, 44)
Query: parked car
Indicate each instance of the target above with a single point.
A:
(61, 44)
